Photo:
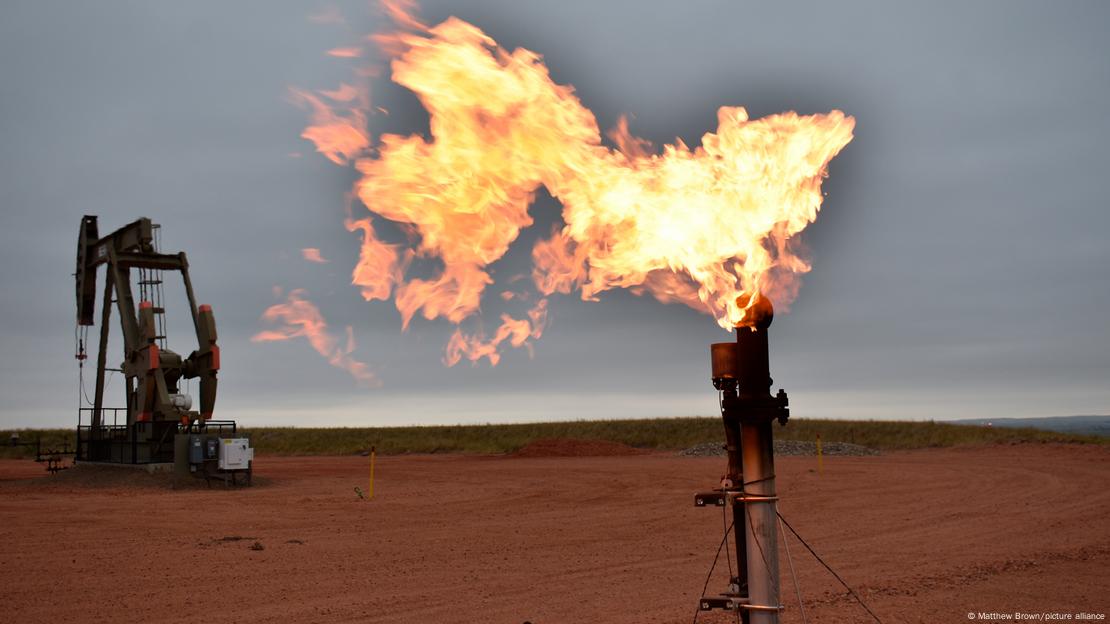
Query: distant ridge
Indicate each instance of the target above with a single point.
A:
(1084, 425)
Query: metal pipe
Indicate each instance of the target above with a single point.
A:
(723, 357)
(762, 538)
(733, 480)
(741, 373)
(756, 407)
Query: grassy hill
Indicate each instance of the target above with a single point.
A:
(1084, 425)
(660, 434)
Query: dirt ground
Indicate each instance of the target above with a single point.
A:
(924, 536)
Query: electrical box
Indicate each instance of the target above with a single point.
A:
(196, 449)
(211, 447)
(235, 454)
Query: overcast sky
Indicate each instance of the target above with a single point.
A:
(961, 265)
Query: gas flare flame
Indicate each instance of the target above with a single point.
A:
(706, 226)
(299, 317)
(312, 254)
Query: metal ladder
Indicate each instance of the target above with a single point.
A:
(150, 289)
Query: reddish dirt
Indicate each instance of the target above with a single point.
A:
(924, 536)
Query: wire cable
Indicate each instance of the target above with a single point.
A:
(81, 383)
(709, 576)
(831, 571)
(728, 556)
(793, 575)
(758, 545)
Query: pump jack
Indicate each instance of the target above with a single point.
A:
(156, 408)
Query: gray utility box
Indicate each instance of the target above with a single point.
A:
(210, 456)
(235, 454)
(203, 448)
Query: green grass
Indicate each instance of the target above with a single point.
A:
(661, 434)
(51, 439)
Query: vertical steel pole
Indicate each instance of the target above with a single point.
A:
(757, 410)
(760, 508)
(741, 373)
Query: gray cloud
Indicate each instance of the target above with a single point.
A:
(959, 261)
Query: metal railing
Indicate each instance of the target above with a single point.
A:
(137, 443)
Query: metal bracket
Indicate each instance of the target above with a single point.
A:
(735, 603)
(728, 603)
(719, 498)
(707, 499)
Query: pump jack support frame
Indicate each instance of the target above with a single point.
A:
(152, 373)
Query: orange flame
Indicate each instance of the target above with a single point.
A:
(327, 15)
(339, 134)
(313, 254)
(702, 226)
(474, 347)
(379, 265)
(348, 52)
(300, 317)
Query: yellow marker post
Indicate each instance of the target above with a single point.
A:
(371, 493)
(818, 459)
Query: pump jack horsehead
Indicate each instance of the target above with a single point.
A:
(153, 372)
